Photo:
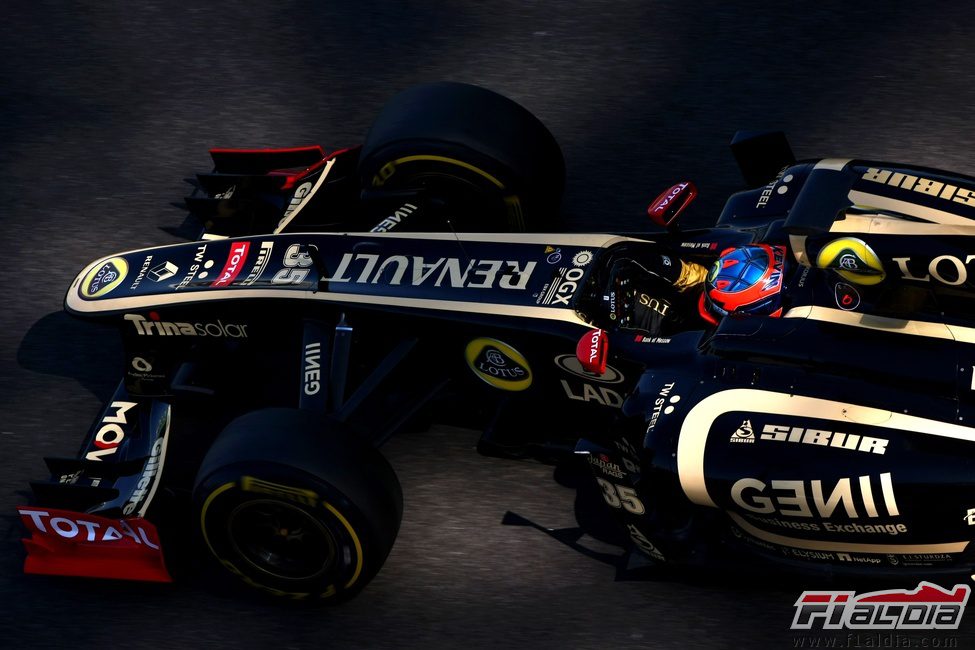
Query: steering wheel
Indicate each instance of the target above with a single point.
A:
(638, 298)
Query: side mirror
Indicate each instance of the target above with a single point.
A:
(593, 350)
(667, 207)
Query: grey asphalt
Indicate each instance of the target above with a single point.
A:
(106, 106)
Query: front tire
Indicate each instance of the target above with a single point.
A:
(296, 509)
(490, 163)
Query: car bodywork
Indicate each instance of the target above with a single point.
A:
(836, 437)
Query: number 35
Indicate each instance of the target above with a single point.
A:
(296, 265)
(621, 496)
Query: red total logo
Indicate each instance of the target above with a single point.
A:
(238, 253)
(70, 543)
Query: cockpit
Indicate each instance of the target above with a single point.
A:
(654, 294)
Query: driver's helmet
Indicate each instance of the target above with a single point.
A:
(745, 280)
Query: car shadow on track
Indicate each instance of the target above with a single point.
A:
(62, 346)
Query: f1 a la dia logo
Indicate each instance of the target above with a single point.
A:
(104, 277)
(498, 364)
(927, 607)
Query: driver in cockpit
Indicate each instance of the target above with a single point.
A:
(654, 295)
(747, 280)
(659, 295)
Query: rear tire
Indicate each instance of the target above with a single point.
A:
(291, 506)
(492, 162)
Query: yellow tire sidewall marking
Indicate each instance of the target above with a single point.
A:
(203, 513)
(380, 179)
(338, 515)
(355, 541)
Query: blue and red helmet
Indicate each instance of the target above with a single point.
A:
(745, 280)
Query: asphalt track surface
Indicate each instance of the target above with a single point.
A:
(105, 107)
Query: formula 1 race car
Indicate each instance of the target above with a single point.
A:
(794, 385)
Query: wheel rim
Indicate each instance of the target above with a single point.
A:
(281, 539)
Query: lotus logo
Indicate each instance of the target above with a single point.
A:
(498, 364)
(105, 277)
(570, 364)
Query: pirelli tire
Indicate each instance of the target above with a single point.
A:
(494, 164)
(293, 507)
